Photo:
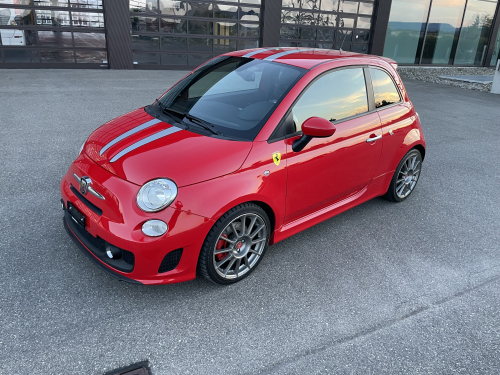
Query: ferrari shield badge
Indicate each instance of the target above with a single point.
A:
(277, 158)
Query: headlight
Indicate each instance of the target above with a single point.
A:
(156, 195)
(81, 149)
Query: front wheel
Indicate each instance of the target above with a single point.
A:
(405, 178)
(235, 245)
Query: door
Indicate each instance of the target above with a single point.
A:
(330, 169)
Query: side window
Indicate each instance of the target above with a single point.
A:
(334, 96)
(383, 88)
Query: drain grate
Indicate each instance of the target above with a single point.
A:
(141, 368)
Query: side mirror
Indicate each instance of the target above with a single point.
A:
(313, 127)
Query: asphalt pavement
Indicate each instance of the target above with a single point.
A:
(381, 289)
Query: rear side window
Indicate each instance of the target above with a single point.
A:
(334, 96)
(384, 90)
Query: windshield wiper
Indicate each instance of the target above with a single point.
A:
(204, 124)
(169, 111)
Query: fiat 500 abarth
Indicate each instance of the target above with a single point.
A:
(246, 150)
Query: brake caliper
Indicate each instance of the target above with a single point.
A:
(221, 244)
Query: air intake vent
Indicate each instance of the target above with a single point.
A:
(170, 261)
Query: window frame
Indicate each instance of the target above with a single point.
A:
(393, 82)
(275, 135)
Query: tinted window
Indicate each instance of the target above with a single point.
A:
(334, 96)
(236, 95)
(383, 88)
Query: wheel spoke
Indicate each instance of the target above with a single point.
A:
(245, 260)
(252, 223)
(259, 240)
(220, 263)
(229, 266)
(234, 229)
(243, 218)
(400, 189)
(237, 268)
(254, 251)
(260, 227)
(221, 237)
(221, 251)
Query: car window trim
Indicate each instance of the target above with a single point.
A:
(283, 119)
(393, 82)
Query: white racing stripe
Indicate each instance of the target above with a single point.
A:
(278, 55)
(129, 133)
(250, 54)
(144, 141)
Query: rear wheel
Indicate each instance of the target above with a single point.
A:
(235, 245)
(405, 178)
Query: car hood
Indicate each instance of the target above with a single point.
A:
(138, 148)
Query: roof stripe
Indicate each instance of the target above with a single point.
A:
(260, 50)
(289, 52)
(129, 133)
(144, 141)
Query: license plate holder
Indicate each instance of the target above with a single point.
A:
(76, 215)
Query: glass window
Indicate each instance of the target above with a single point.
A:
(55, 38)
(225, 11)
(95, 57)
(92, 4)
(200, 44)
(198, 59)
(200, 27)
(442, 32)
(406, 27)
(249, 14)
(366, 8)
(174, 59)
(147, 58)
(173, 25)
(289, 16)
(87, 19)
(249, 30)
(384, 90)
(334, 96)
(326, 34)
(330, 5)
(475, 32)
(50, 3)
(327, 20)
(348, 7)
(224, 45)
(173, 7)
(291, 3)
(143, 5)
(247, 44)
(346, 22)
(364, 23)
(200, 10)
(57, 56)
(307, 33)
(310, 4)
(16, 17)
(496, 51)
(52, 18)
(20, 56)
(92, 40)
(173, 44)
(141, 24)
(229, 94)
(145, 42)
(226, 28)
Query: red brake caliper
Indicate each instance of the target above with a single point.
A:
(221, 244)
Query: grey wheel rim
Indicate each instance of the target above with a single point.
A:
(408, 176)
(240, 246)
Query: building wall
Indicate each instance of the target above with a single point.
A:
(181, 34)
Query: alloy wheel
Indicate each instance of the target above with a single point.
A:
(408, 175)
(240, 245)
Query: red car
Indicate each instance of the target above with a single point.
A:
(245, 151)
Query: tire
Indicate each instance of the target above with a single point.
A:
(404, 183)
(245, 246)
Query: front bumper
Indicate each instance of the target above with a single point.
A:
(118, 222)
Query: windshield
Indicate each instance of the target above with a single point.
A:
(234, 95)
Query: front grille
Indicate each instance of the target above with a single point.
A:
(85, 201)
(170, 261)
(97, 246)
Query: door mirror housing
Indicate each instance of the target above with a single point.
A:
(313, 127)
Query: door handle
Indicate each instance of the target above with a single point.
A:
(369, 140)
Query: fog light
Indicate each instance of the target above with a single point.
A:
(154, 228)
(113, 252)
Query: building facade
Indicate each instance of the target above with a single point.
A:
(181, 34)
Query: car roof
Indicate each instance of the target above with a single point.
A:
(305, 58)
